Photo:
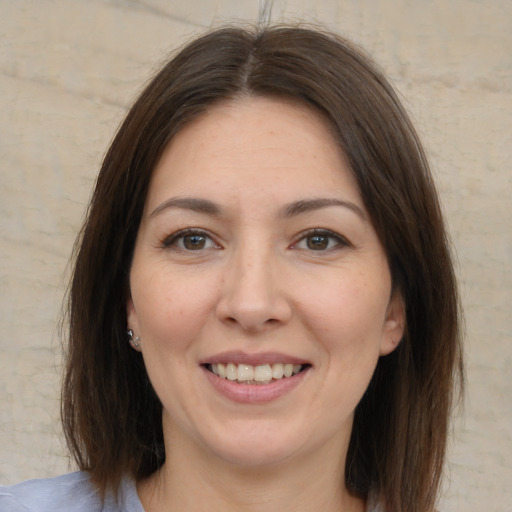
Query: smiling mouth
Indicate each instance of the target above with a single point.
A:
(260, 374)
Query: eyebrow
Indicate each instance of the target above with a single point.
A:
(307, 205)
(289, 210)
(188, 203)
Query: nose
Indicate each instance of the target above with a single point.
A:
(254, 292)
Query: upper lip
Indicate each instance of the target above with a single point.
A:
(255, 359)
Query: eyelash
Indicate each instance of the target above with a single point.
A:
(322, 233)
(175, 238)
(179, 236)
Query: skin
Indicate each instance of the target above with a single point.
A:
(257, 281)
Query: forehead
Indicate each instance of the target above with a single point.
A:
(253, 144)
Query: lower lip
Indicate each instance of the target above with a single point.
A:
(254, 393)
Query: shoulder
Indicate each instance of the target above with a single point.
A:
(73, 492)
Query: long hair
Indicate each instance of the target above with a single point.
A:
(112, 416)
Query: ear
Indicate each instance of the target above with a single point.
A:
(394, 325)
(132, 321)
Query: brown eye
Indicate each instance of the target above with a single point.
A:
(194, 242)
(317, 242)
(321, 240)
(190, 240)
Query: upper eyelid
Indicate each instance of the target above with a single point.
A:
(169, 239)
(321, 232)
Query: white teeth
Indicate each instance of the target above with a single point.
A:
(277, 371)
(231, 371)
(262, 373)
(248, 373)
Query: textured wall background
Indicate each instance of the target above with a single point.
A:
(68, 71)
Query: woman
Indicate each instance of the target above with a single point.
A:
(263, 311)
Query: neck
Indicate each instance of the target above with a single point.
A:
(192, 480)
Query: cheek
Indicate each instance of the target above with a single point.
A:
(345, 310)
(170, 308)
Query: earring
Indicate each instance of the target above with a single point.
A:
(134, 340)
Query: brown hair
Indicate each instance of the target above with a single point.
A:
(111, 415)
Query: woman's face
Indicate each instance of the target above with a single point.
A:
(255, 259)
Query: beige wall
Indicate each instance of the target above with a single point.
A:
(69, 69)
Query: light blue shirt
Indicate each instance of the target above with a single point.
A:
(74, 492)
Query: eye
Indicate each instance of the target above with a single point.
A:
(190, 240)
(320, 240)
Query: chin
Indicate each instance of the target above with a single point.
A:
(252, 447)
(254, 457)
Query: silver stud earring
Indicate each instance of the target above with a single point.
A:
(134, 340)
